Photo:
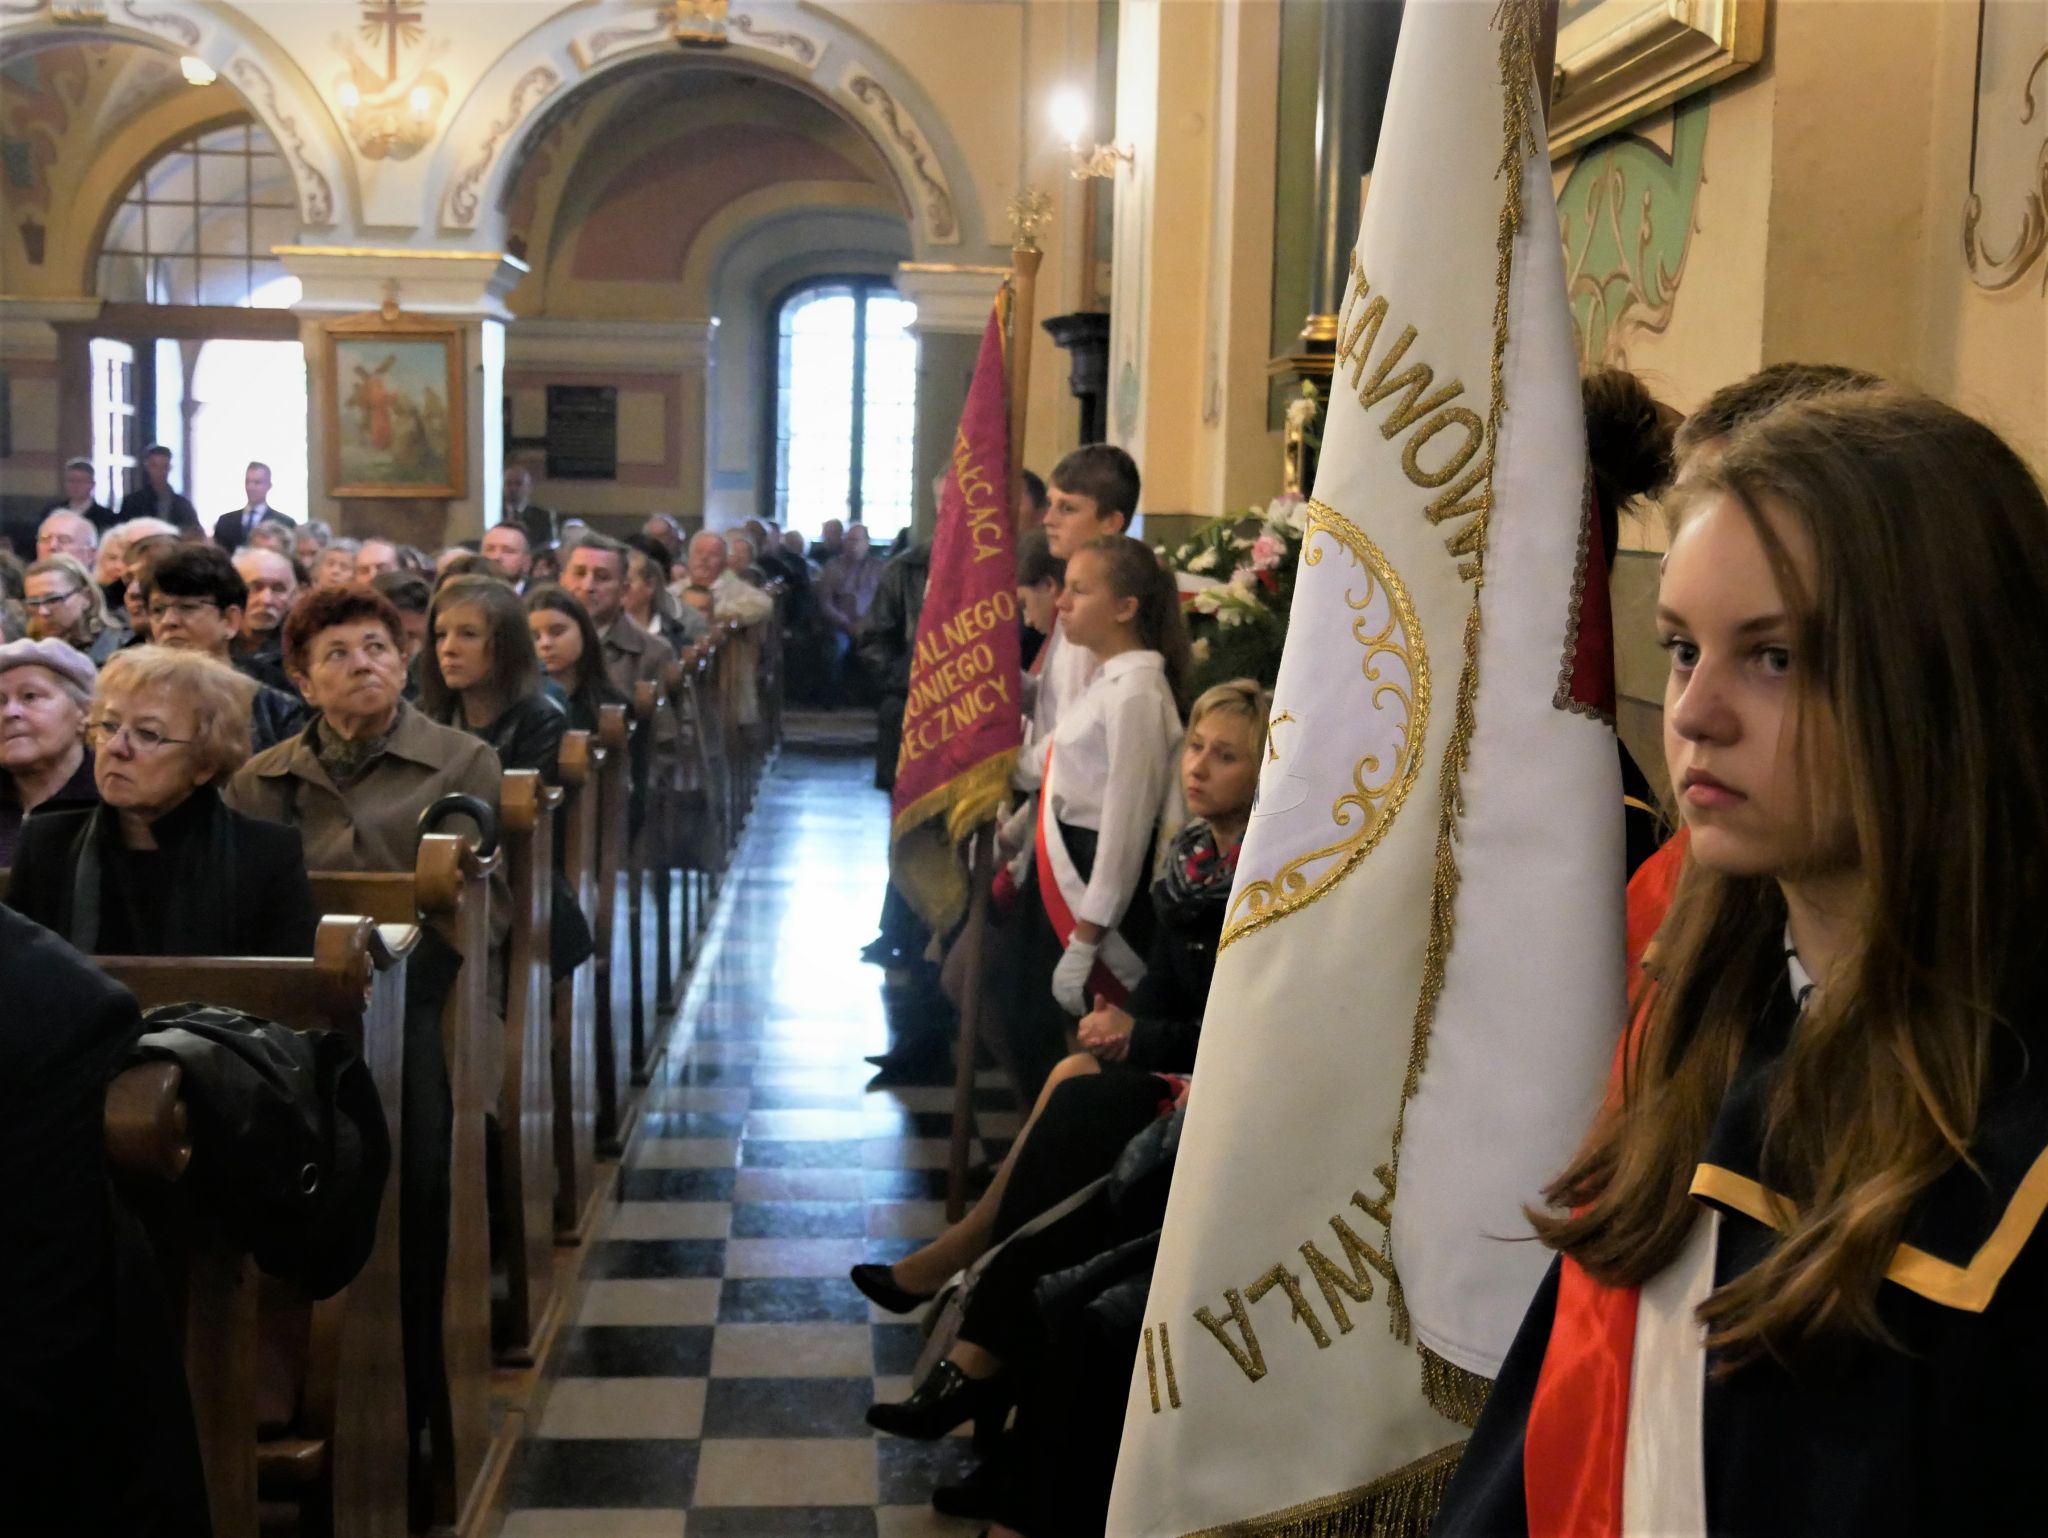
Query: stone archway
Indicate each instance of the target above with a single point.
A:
(246, 59)
(818, 54)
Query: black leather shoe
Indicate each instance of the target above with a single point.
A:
(947, 1398)
(878, 1284)
(976, 1497)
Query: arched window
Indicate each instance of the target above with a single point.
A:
(845, 406)
(198, 225)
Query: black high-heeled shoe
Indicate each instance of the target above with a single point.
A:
(947, 1398)
(879, 1285)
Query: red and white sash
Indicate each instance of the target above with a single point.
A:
(1061, 888)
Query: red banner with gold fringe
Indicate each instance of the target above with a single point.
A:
(964, 720)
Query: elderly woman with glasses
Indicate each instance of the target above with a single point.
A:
(45, 692)
(161, 867)
(65, 604)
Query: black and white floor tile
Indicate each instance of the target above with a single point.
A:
(715, 1376)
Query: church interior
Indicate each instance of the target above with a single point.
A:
(658, 331)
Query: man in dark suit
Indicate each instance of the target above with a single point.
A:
(538, 522)
(81, 496)
(154, 497)
(231, 530)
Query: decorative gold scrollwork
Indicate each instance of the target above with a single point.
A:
(1365, 808)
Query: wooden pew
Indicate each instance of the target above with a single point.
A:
(343, 1458)
(654, 799)
(707, 835)
(449, 889)
(526, 1111)
(668, 846)
(575, 1001)
(721, 700)
(614, 787)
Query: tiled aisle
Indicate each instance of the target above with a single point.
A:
(716, 1376)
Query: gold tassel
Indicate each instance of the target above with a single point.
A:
(1453, 1391)
(1403, 1504)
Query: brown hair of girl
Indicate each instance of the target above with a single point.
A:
(1922, 653)
(1134, 570)
(515, 666)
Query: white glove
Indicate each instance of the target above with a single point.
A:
(1070, 977)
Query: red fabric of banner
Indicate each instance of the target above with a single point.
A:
(965, 707)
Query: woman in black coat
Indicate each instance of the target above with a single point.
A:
(161, 867)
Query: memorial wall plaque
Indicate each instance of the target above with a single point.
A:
(583, 433)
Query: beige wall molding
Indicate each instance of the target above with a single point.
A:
(349, 279)
(629, 346)
(953, 299)
(1619, 60)
(2005, 220)
(906, 145)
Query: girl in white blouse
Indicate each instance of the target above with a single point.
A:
(1109, 784)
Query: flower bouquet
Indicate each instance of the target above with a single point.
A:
(1236, 581)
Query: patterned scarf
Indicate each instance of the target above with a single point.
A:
(1197, 870)
(346, 759)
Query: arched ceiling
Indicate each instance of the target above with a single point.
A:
(626, 181)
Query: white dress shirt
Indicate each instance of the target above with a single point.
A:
(1063, 677)
(1113, 754)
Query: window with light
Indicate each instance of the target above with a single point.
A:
(845, 406)
(197, 226)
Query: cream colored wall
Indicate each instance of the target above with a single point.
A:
(1829, 228)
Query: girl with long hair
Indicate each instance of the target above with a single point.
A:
(571, 652)
(1109, 787)
(1801, 1262)
(479, 673)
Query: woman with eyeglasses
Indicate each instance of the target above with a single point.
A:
(161, 867)
(65, 604)
(45, 692)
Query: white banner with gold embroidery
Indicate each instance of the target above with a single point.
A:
(1420, 982)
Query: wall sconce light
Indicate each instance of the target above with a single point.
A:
(1070, 120)
(197, 71)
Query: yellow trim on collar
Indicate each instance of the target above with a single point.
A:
(1969, 1288)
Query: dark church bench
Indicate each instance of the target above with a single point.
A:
(327, 1377)
(573, 1039)
(449, 890)
(526, 1112)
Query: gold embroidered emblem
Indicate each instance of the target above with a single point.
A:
(1395, 666)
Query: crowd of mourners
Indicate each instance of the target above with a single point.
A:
(1834, 966)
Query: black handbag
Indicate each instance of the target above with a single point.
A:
(290, 1149)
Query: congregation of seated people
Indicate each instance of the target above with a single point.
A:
(274, 712)
(196, 732)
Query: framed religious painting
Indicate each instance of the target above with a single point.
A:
(1618, 60)
(394, 407)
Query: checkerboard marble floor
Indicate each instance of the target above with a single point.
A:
(714, 1379)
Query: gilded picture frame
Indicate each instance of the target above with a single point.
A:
(1619, 60)
(394, 407)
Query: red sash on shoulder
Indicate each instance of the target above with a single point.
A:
(1059, 912)
(1575, 1447)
